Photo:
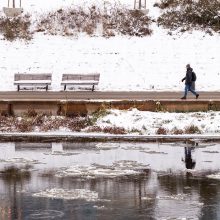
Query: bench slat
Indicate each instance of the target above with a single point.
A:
(80, 79)
(41, 76)
(27, 82)
(32, 79)
(78, 82)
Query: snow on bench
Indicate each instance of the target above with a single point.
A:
(80, 79)
(33, 80)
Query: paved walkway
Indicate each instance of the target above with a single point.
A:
(97, 95)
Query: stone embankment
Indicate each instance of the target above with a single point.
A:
(75, 107)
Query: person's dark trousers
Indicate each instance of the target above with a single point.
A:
(188, 88)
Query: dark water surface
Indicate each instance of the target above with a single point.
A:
(109, 181)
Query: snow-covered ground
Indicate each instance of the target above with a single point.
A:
(125, 63)
(148, 123)
(156, 62)
(125, 123)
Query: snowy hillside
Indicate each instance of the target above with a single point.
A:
(125, 63)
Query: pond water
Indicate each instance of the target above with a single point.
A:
(109, 181)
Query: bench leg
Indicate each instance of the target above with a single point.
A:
(93, 87)
(18, 88)
(64, 88)
(46, 87)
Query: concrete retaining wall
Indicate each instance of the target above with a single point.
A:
(88, 107)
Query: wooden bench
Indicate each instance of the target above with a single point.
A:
(80, 79)
(42, 79)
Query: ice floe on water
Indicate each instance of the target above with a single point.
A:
(135, 148)
(129, 164)
(107, 146)
(62, 153)
(174, 197)
(99, 207)
(210, 152)
(45, 214)
(65, 194)
(118, 168)
(146, 198)
(20, 160)
(180, 197)
(152, 152)
(214, 176)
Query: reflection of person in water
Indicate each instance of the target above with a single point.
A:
(190, 163)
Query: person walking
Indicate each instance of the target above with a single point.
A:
(189, 82)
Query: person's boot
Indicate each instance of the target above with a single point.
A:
(197, 96)
(184, 97)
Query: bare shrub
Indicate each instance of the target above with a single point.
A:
(4, 113)
(164, 4)
(108, 129)
(114, 130)
(126, 22)
(192, 129)
(177, 131)
(189, 14)
(94, 129)
(30, 113)
(24, 125)
(77, 123)
(51, 124)
(16, 28)
(69, 21)
(73, 124)
(115, 20)
(3, 120)
(39, 119)
(162, 130)
(108, 33)
(135, 130)
(6, 123)
(100, 113)
(42, 123)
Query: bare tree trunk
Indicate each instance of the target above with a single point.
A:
(13, 3)
(20, 3)
(8, 3)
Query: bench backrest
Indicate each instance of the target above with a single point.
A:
(40, 76)
(91, 76)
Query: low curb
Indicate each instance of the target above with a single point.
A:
(79, 137)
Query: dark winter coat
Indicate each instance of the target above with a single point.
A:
(188, 77)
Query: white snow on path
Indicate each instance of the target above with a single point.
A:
(125, 63)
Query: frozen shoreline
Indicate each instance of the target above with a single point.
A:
(60, 136)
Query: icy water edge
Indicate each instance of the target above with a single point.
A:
(109, 181)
